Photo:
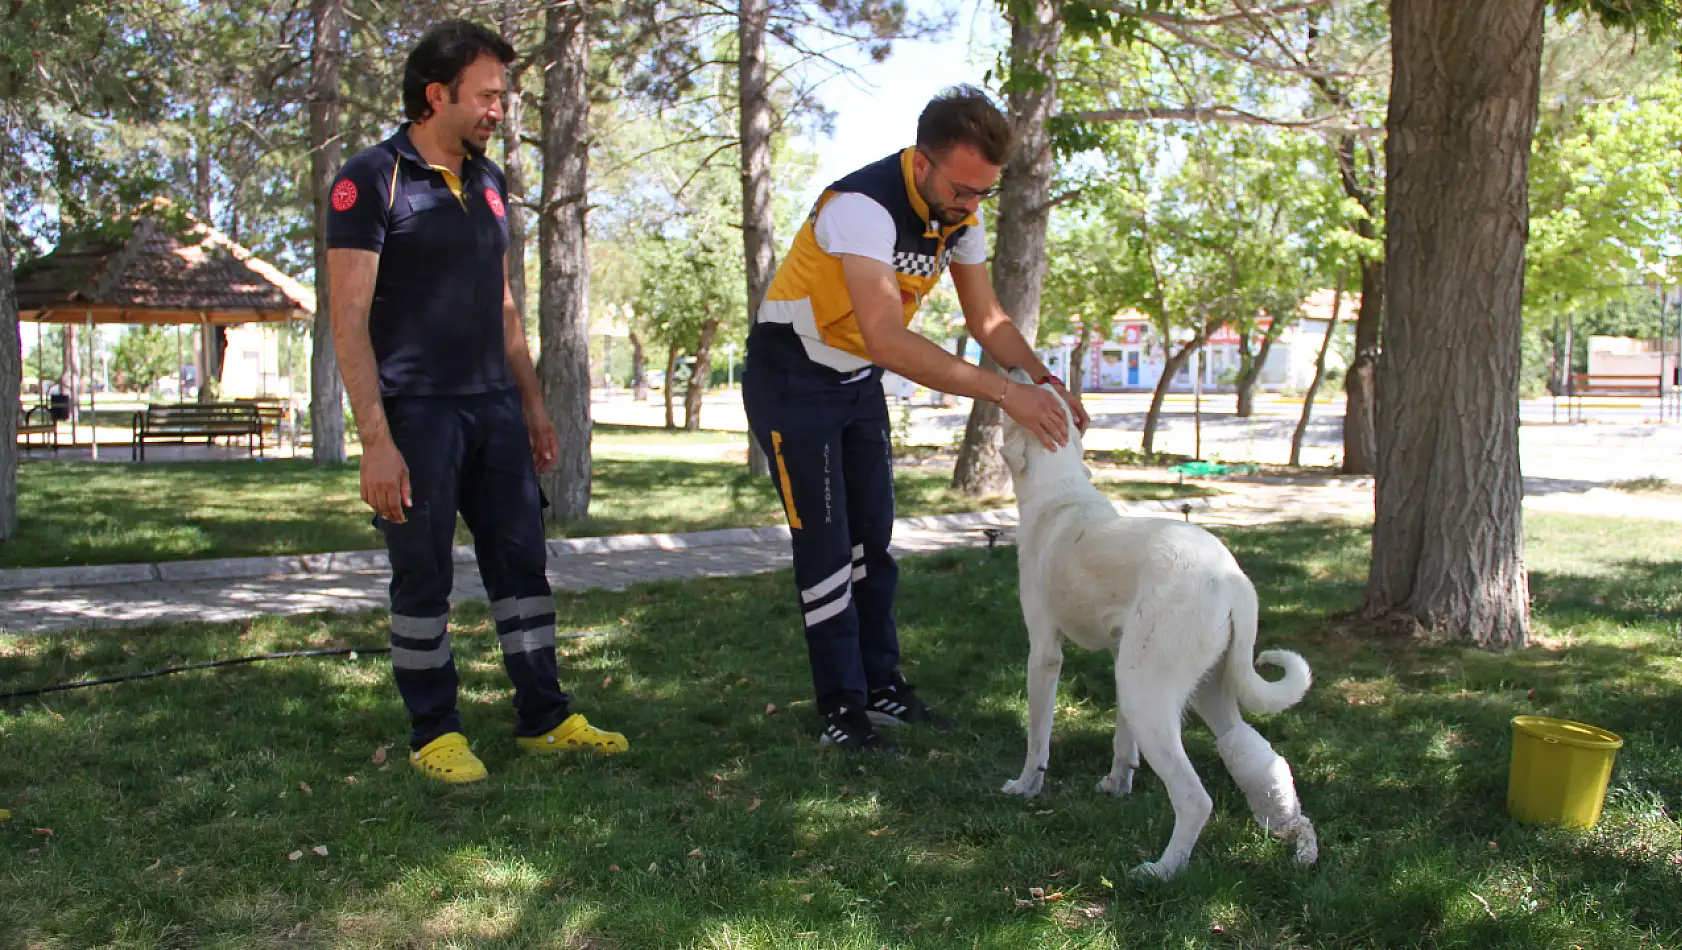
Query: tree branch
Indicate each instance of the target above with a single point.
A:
(1243, 13)
(1226, 114)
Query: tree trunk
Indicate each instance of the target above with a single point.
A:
(327, 392)
(639, 370)
(1077, 363)
(671, 381)
(564, 314)
(1019, 257)
(514, 170)
(1448, 540)
(757, 242)
(1319, 375)
(1153, 416)
(11, 379)
(1249, 370)
(1360, 423)
(701, 375)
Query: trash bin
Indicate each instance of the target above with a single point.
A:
(1559, 771)
(58, 404)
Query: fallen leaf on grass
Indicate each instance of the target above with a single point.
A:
(379, 755)
(1022, 903)
(5, 815)
(799, 854)
(880, 832)
(295, 856)
(44, 832)
(753, 807)
(697, 853)
(1037, 893)
(807, 898)
(770, 709)
(614, 868)
(350, 780)
(320, 849)
(305, 788)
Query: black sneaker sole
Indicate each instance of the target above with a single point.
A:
(882, 746)
(892, 722)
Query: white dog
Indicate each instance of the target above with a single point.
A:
(1168, 600)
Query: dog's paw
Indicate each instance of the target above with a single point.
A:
(1158, 870)
(1117, 785)
(1026, 787)
(1308, 845)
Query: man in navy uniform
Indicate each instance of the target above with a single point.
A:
(446, 399)
(838, 313)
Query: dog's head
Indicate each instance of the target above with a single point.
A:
(1025, 457)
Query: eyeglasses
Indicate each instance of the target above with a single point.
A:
(960, 193)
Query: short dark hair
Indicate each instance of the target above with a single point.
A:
(964, 115)
(444, 50)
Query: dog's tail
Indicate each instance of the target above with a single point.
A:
(1254, 693)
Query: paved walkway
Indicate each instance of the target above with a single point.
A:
(42, 601)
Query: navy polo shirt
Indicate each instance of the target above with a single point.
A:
(436, 317)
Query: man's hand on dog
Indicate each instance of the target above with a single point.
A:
(1082, 420)
(1040, 412)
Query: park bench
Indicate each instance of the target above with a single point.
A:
(1583, 384)
(193, 420)
(271, 415)
(46, 428)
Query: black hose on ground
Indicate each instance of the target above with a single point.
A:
(234, 661)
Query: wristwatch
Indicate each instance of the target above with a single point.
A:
(1049, 378)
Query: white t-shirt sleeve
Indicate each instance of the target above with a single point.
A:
(850, 223)
(971, 246)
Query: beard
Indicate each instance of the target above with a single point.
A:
(945, 214)
(471, 144)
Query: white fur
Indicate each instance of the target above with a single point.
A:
(1169, 602)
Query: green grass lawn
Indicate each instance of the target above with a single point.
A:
(164, 812)
(82, 513)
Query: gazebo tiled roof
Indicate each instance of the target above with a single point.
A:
(158, 277)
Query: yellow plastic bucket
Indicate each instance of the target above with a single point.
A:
(1559, 771)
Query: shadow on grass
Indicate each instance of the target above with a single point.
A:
(175, 804)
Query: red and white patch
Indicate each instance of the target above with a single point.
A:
(344, 195)
(495, 201)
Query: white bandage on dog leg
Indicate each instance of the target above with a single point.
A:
(1268, 786)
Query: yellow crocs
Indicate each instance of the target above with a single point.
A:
(448, 759)
(576, 734)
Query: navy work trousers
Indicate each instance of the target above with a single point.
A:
(831, 458)
(469, 454)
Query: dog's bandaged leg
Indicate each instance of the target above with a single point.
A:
(1265, 778)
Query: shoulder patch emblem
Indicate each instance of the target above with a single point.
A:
(344, 195)
(495, 201)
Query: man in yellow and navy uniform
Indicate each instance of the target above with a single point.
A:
(836, 315)
(447, 402)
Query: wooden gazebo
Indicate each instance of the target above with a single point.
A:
(186, 275)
